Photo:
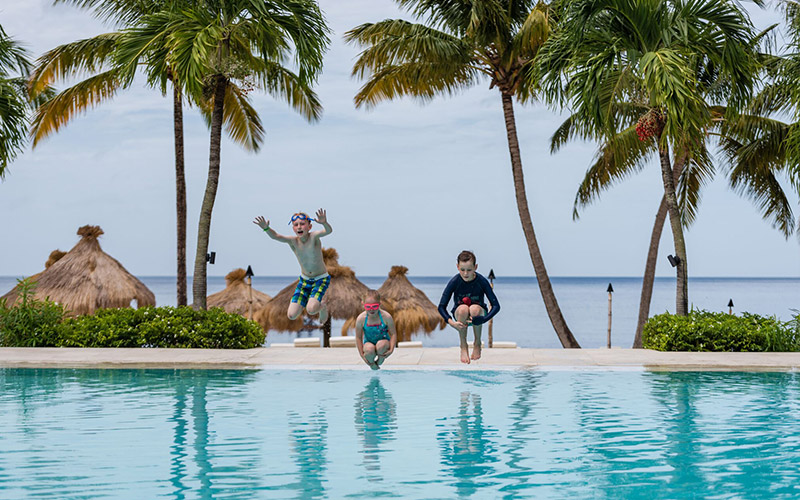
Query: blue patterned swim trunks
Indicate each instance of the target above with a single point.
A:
(308, 288)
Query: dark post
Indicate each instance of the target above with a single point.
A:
(730, 306)
(610, 290)
(249, 275)
(326, 332)
(491, 282)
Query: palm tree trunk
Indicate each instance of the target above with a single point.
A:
(180, 193)
(204, 226)
(550, 303)
(652, 257)
(650, 273)
(682, 292)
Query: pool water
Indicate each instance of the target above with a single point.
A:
(184, 434)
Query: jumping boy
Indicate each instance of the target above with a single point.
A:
(468, 289)
(314, 279)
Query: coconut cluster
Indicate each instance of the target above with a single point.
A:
(649, 124)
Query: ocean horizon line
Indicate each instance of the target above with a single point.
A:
(516, 277)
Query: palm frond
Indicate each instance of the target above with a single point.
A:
(123, 12)
(13, 122)
(534, 32)
(619, 157)
(284, 85)
(421, 80)
(765, 191)
(58, 111)
(240, 119)
(396, 42)
(696, 170)
(65, 61)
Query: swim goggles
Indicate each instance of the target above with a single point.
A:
(372, 307)
(301, 217)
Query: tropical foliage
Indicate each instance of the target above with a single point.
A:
(654, 70)
(15, 103)
(43, 323)
(216, 51)
(458, 45)
(716, 331)
(32, 322)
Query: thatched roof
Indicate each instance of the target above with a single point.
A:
(86, 278)
(236, 296)
(413, 310)
(11, 297)
(343, 299)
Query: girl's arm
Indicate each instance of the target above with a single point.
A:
(392, 331)
(360, 335)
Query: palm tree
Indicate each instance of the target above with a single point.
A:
(781, 95)
(96, 56)
(753, 155)
(459, 45)
(662, 55)
(216, 51)
(14, 101)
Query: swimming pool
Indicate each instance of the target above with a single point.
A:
(402, 434)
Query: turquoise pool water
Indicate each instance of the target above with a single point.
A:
(184, 434)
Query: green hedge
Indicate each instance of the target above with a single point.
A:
(37, 323)
(32, 322)
(712, 331)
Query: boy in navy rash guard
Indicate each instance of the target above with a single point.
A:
(468, 289)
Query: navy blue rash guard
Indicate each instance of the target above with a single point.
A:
(475, 290)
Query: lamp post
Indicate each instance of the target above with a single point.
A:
(491, 283)
(730, 306)
(610, 290)
(249, 275)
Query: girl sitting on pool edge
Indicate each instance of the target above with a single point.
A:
(376, 336)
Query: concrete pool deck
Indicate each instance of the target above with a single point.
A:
(402, 359)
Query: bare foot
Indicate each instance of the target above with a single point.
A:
(476, 351)
(323, 315)
(465, 355)
(374, 366)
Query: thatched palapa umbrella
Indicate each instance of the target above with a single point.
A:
(413, 310)
(343, 299)
(237, 295)
(11, 297)
(86, 278)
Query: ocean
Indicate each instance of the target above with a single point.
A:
(522, 319)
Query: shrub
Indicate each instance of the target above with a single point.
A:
(162, 327)
(710, 331)
(32, 322)
(42, 323)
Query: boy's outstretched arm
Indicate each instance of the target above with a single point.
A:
(264, 224)
(322, 218)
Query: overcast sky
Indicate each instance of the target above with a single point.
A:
(404, 183)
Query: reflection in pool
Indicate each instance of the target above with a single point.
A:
(405, 434)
